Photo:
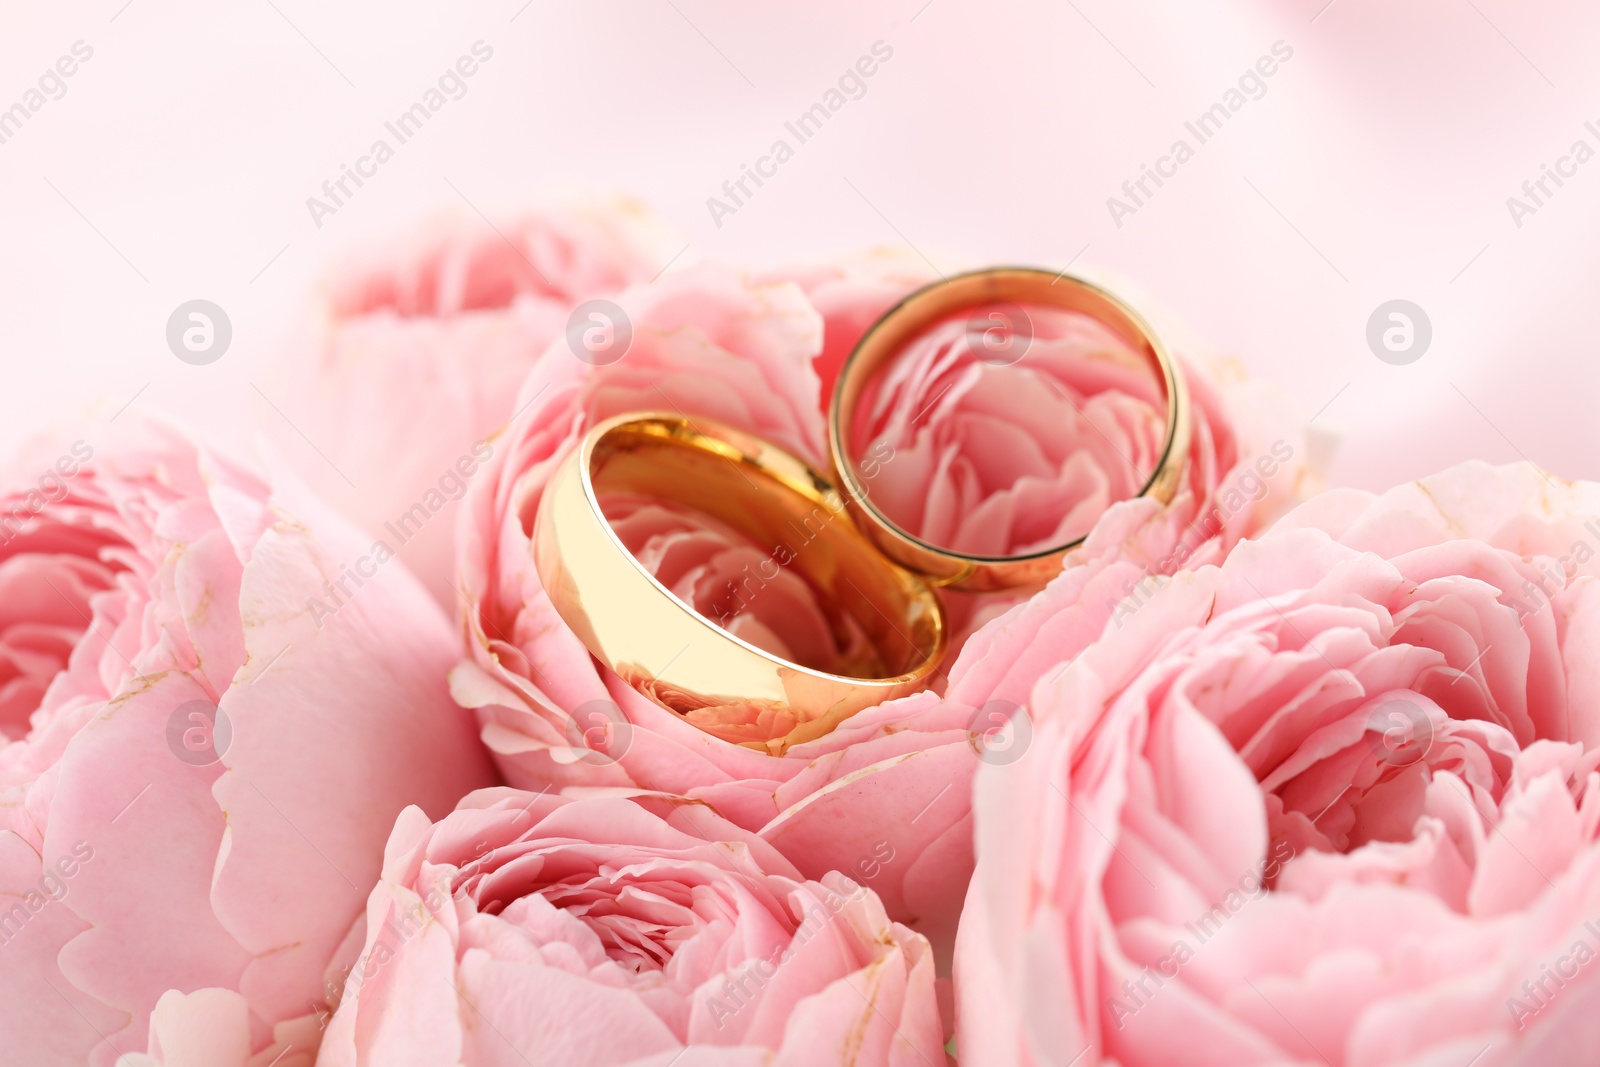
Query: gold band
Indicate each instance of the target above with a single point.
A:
(680, 658)
(934, 303)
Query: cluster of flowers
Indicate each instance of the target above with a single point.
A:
(397, 841)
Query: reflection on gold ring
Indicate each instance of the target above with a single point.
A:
(902, 324)
(684, 661)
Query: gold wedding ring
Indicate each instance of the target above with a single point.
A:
(936, 303)
(686, 662)
(873, 580)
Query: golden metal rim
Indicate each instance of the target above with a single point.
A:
(629, 620)
(699, 438)
(929, 304)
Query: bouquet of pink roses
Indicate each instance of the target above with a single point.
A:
(1032, 707)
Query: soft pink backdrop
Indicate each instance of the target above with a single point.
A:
(1376, 166)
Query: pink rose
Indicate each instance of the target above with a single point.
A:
(528, 928)
(202, 745)
(1026, 448)
(851, 294)
(211, 1027)
(1334, 800)
(1014, 456)
(884, 798)
(417, 347)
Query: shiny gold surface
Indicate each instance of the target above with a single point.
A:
(683, 660)
(924, 308)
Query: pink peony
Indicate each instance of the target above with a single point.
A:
(528, 928)
(198, 764)
(884, 798)
(1333, 800)
(851, 294)
(417, 348)
(975, 471)
(211, 1027)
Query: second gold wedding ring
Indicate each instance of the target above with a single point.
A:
(965, 293)
(685, 661)
(873, 581)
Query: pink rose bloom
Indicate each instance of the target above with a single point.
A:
(976, 469)
(1016, 454)
(198, 766)
(1333, 800)
(885, 797)
(851, 294)
(417, 348)
(212, 1026)
(529, 928)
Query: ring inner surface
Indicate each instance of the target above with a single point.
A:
(882, 618)
(1057, 342)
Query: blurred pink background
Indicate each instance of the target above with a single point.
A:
(1375, 165)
